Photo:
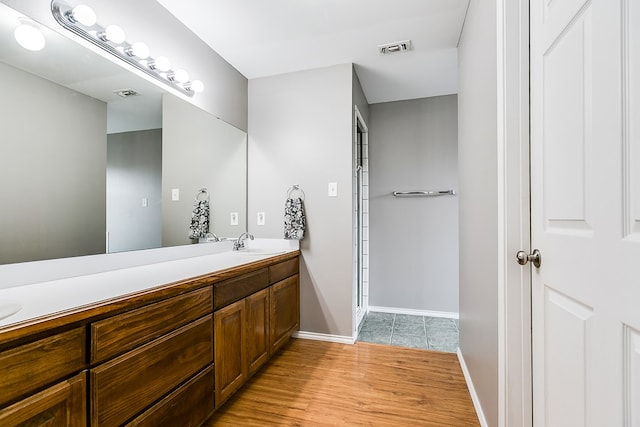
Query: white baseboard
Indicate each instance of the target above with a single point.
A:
(324, 337)
(472, 391)
(428, 313)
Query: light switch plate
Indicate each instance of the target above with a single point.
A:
(234, 218)
(175, 194)
(333, 189)
(145, 202)
(260, 220)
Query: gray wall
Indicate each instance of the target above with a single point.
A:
(199, 150)
(413, 145)
(300, 131)
(225, 93)
(63, 138)
(134, 172)
(478, 161)
(359, 98)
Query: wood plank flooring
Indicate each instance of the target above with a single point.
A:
(314, 383)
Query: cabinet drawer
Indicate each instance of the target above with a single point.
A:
(228, 291)
(130, 383)
(188, 406)
(63, 404)
(283, 270)
(26, 368)
(126, 331)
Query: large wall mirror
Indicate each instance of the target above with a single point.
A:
(96, 159)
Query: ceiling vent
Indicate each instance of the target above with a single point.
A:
(126, 93)
(395, 47)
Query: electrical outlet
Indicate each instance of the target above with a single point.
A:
(234, 218)
(333, 189)
(175, 194)
(260, 218)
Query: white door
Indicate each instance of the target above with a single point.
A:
(585, 211)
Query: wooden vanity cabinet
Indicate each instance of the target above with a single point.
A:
(248, 331)
(172, 361)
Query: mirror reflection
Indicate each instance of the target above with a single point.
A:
(96, 159)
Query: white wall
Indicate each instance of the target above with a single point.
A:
(225, 94)
(300, 131)
(478, 199)
(53, 155)
(413, 145)
(134, 172)
(201, 151)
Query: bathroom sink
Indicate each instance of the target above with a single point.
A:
(9, 308)
(259, 252)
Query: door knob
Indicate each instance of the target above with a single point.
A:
(535, 258)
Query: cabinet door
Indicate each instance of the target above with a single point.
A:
(285, 309)
(229, 349)
(62, 405)
(257, 306)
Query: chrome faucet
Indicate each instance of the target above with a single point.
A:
(239, 244)
(211, 237)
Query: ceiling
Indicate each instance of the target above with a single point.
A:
(268, 37)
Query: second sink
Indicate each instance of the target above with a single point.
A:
(9, 308)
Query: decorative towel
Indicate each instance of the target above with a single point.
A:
(294, 220)
(199, 219)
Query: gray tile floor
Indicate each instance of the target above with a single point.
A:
(429, 333)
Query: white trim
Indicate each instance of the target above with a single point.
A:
(341, 339)
(503, 200)
(412, 312)
(472, 391)
(514, 285)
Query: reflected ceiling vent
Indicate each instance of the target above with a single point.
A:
(395, 47)
(126, 93)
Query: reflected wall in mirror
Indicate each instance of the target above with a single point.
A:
(82, 168)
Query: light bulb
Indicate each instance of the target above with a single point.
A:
(115, 34)
(29, 37)
(181, 76)
(84, 15)
(139, 49)
(197, 86)
(161, 63)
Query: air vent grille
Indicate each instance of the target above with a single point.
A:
(126, 93)
(395, 47)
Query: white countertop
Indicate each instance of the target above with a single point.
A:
(50, 297)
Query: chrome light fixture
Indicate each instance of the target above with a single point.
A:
(82, 21)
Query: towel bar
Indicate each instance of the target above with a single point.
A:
(293, 189)
(424, 193)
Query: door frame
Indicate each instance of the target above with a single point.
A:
(358, 312)
(515, 393)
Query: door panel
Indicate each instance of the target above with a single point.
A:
(631, 111)
(566, 136)
(566, 329)
(632, 373)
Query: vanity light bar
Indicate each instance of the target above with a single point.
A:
(81, 20)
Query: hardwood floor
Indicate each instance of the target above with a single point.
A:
(314, 383)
